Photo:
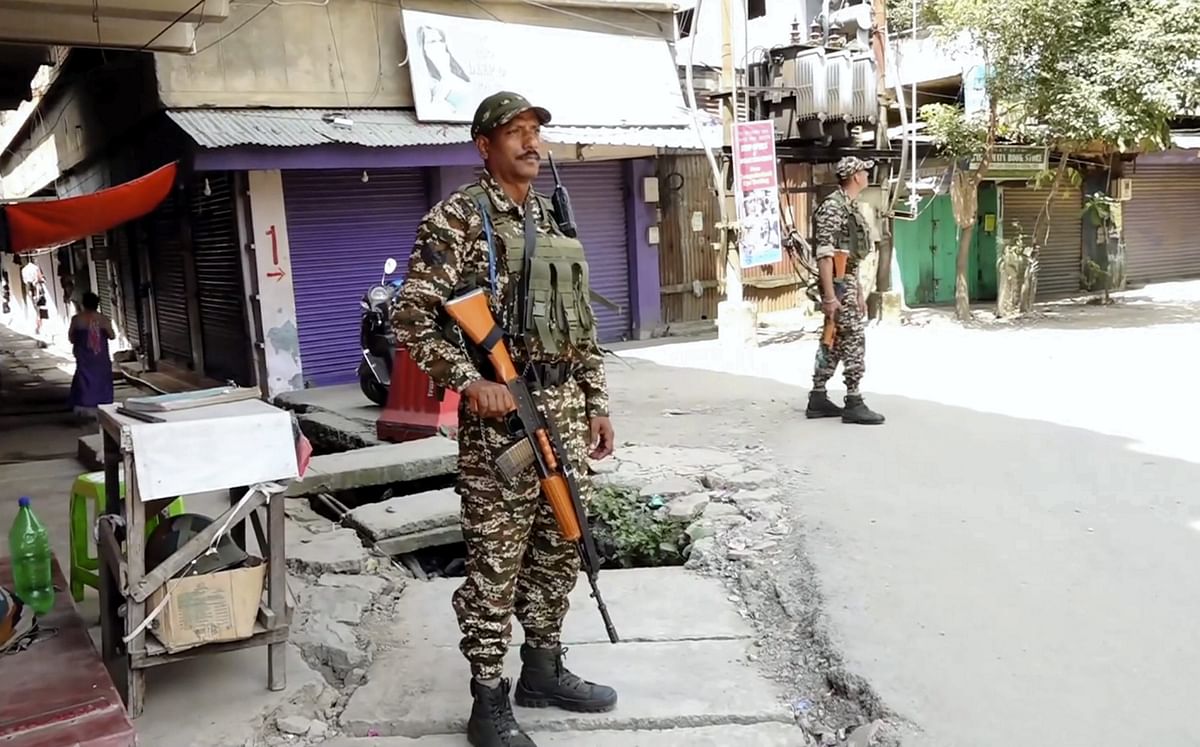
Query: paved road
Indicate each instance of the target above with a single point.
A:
(1008, 559)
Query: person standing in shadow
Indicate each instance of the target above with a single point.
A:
(89, 333)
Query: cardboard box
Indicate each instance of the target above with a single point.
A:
(213, 608)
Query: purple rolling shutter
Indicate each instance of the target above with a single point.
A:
(341, 231)
(598, 193)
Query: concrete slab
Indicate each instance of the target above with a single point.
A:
(332, 398)
(406, 514)
(646, 604)
(756, 735)
(420, 540)
(90, 451)
(419, 691)
(338, 551)
(379, 465)
(334, 432)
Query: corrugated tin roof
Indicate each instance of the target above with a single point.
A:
(1186, 139)
(292, 128)
(391, 128)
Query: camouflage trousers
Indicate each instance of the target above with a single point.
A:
(517, 561)
(849, 347)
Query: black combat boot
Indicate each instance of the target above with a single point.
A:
(546, 682)
(820, 406)
(492, 723)
(857, 412)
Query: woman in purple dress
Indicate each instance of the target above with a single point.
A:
(89, 334)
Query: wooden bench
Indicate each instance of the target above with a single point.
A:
(58, 692)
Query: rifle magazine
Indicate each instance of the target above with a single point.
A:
(515, 460)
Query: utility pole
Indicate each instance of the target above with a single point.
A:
(736, 319)
(733, 268)
(883, 275)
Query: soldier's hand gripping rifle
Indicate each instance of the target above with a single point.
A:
(540, 444)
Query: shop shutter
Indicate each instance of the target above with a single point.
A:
(127, 282)
(598, 199)
(1161, 240)
(216, 250)
(168, 268)
(340, 232)
(100, 260)
(1060, 259)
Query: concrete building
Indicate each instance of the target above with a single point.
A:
(311, 141)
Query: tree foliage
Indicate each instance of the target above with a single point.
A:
(1084, 77)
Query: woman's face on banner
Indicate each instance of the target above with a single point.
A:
(436, 50)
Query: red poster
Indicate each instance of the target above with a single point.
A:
(754, 154)
(757, 193)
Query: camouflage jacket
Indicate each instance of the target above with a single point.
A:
(835, 217)
(451, 249)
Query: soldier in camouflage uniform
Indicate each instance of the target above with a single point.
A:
(517, 561)
(842, 228)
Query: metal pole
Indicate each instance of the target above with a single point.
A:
(883, 277)
(733, 271)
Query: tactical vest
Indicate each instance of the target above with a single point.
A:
(549, 308)
(855, 236)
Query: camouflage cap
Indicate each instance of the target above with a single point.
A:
(851, 165)
(501, 108)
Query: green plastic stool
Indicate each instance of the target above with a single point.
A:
(88, 499)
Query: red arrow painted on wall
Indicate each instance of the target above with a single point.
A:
(278, 274)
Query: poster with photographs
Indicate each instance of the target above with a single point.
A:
(757, 193)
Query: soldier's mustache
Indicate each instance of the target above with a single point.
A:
(531, 154)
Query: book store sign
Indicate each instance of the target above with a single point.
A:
(1015, 162)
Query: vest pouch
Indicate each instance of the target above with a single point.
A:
(559, 309)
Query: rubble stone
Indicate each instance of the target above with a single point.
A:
(771, 511)
(688, 507)
(331, 643)
(372, 584)
(670, 487)
(341, 603)
(752, 479)
(296, 725)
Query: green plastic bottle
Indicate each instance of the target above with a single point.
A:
(29, 545)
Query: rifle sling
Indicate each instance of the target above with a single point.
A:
(494, 337)
(530, 248)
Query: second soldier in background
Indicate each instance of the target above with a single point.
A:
(841, 229)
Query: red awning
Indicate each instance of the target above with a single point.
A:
(48, 223)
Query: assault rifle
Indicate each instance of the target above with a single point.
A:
(829, 331)
(540, 443)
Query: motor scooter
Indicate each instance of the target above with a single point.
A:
(376, 337)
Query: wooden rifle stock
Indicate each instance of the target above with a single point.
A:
(473, 315)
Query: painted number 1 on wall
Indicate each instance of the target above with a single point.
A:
(278, 273)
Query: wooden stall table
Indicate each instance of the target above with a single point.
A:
(201, 449)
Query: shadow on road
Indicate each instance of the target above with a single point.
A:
(997, 580)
